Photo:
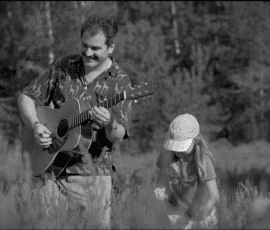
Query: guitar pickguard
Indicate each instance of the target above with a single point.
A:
(60, 162)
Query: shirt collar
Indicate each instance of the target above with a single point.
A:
(113, 68)
(77, 58)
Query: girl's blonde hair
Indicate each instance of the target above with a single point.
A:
(201, 152)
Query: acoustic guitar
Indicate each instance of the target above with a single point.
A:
(67, 131)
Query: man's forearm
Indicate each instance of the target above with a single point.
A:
(27, 110)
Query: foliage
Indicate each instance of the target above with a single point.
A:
(133, 207)
(220, 74)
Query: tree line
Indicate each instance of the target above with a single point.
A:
(208, 58)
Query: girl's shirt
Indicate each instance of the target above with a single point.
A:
(186, 189)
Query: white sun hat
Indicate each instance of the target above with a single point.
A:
(181, 132)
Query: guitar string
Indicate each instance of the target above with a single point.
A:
(77, 118)
(109, 103)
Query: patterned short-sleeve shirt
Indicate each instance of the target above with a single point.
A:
(64, 79)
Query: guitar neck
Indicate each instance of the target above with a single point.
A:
(85, 115)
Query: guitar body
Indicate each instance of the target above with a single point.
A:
(41, 160)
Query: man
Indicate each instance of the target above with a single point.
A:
(89, 76)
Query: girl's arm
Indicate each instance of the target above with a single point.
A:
(211, 186)
(164, 161)
(162, 187)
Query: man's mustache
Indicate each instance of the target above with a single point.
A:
(89, 57)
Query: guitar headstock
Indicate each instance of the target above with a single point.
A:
(143, 90)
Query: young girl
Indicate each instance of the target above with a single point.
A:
(187, 178)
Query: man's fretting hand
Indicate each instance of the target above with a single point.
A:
(101, 116)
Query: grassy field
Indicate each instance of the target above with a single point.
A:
(242, 178)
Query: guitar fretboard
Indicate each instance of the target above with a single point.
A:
(85, 115)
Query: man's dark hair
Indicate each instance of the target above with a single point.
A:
(107, 24)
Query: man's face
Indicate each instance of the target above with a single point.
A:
(94, 49)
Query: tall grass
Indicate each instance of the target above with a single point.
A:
(134, 205)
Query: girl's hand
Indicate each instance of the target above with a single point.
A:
(160, 193)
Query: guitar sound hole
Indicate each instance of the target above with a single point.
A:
(62, 128)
